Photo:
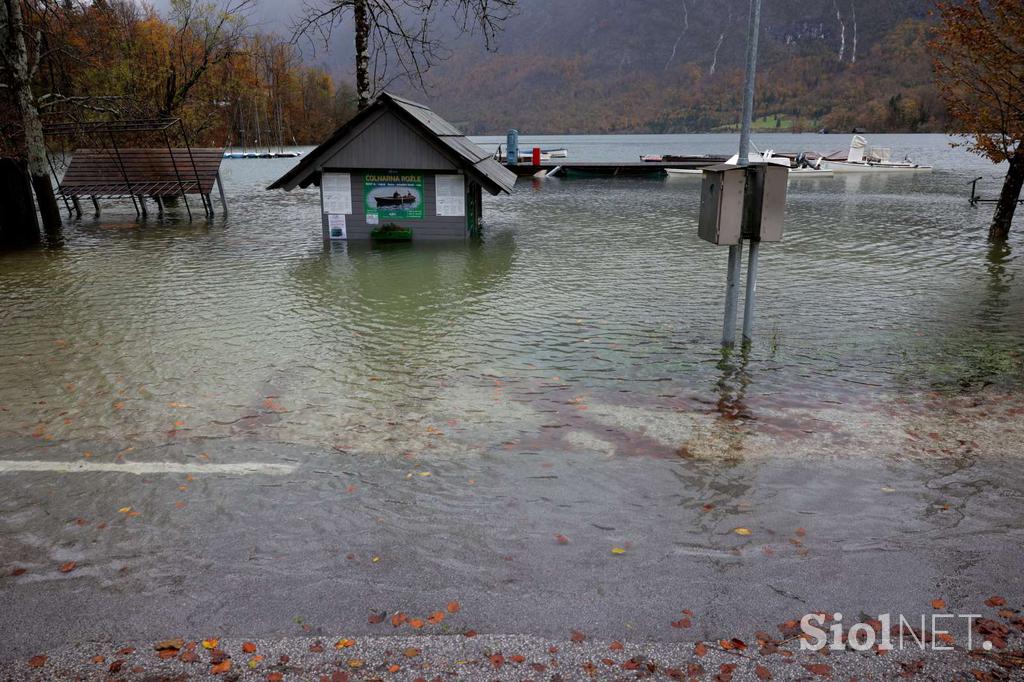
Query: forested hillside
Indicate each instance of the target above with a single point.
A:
(676, 65)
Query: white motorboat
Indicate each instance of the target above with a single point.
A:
(802, 169)
(864, 159)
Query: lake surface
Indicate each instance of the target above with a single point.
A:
(443, 411)
(583, 291)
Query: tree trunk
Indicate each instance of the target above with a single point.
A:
(16, 57)
(1008, 197)
(362, 53)
(19, 225)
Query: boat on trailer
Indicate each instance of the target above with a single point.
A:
(864, 159)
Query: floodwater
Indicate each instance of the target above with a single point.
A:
(452, 406)
(584, 293)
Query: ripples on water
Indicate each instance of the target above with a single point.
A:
(582, 291)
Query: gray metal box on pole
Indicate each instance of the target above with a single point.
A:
(721, 204)
(765, 201)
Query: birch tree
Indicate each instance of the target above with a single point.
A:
(18, 68)
(396, 38)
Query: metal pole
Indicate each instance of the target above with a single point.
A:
(732, 294)
(753, 29)
(753, 26)
(748, 301)
(732, 289)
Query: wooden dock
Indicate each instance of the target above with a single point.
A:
(601, 169)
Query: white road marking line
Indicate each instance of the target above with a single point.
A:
(11, 465)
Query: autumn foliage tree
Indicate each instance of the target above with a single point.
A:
(979, 64)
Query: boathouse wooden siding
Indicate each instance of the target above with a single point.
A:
(395, 135)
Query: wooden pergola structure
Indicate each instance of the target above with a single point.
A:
(116, 172)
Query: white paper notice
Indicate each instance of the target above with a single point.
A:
(336, 191)
(336, 226)
(450, 195)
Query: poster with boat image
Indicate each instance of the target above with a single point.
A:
(389, 196)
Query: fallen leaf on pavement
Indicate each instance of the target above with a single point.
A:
(700, 649)
(97, 659)
(741, 531)
(453, 607)
(938, 604)
(416, 623)
(561, 539)
(411, 652)
(394, 668)
(376, 618)
(995, 601)
(249, 647)
(356, 663)
(176, 643)
(37, 661)
(681, 623)
(615, 646)
(469, 633)
(762, 673)
(618, 550)
(344, 643)
(497, 660)
(220, 668)
(821, 669)
(398, 619)
(577, 636)
(436, 617)
(274, 677)
(68, 567)
(210, 643)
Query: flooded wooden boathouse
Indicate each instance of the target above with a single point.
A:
(398, 171)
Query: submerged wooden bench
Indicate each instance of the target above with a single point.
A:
(140, 173)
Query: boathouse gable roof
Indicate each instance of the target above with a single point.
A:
(395, 133)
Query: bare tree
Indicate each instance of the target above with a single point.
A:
(395, 38)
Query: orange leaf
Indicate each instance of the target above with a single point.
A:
(398, 619)
(762, 673)
(221, 667)
(375, 618)
(411, 652)
(394, 668)
(37, 661)
(819, 669)
(497, 660)
(68, 567)
(517, 658)
(700, 649)
(274, 677)
(344, 643)
(995, 601)
(946, 637)
(616, 646)
(577, 636)
(938, 604)
(453, 607)
(97, 659)
(417, 623)
(436, 617)
(249, 647)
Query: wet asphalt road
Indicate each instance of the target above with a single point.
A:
(315, 551)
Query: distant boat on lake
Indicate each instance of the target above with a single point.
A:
(864, 159)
